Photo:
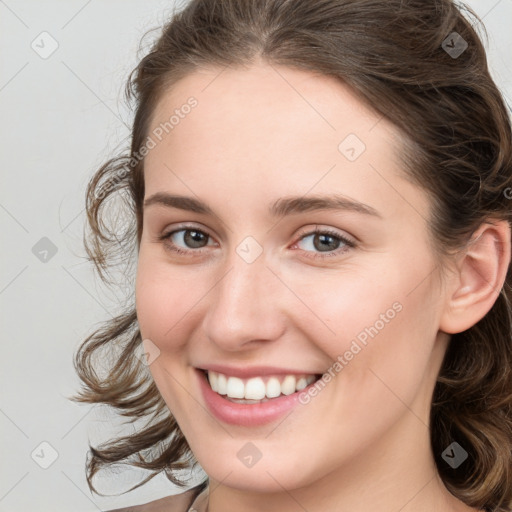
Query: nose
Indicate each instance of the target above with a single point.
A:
(246, 306)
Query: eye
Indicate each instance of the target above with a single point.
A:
(191, 238)
(326, 241)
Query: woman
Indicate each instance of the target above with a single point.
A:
(320, 202)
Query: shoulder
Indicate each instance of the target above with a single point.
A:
(176, 503)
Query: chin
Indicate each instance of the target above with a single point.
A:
(264, 476)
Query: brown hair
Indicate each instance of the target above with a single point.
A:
(458, 147)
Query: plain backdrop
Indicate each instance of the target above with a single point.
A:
(63, 65)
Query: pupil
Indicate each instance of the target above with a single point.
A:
(323, 239)
(194, 238)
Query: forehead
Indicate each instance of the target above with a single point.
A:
(270, 128)
(265, 97)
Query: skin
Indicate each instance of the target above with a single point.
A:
(257, 135)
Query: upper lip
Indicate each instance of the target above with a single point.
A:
(253, 371)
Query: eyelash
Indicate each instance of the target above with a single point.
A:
(349, 244)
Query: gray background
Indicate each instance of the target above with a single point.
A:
(61, 117)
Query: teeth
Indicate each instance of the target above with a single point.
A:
(273, 388)
(288, 385)
(301, 383)
(222, 384)
(236, 388)
(257, 388)
(214, 381)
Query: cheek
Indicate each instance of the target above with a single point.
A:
(347, 306)
(164, 308)
(378, 327)
(164, 303)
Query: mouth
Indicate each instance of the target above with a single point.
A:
(253, 397)
(257, 389)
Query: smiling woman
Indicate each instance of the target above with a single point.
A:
(323, 288)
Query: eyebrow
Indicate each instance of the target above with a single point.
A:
(282, 207)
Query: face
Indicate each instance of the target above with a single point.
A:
(257, 278)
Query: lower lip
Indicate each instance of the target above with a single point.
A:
(247, 415)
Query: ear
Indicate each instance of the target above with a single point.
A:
(481, 272)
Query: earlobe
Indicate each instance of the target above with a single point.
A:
(482, 270)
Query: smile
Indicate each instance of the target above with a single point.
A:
(257, 389)
(252, 400)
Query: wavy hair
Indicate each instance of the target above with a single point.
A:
(395, 54)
